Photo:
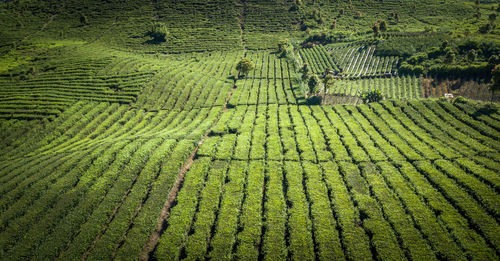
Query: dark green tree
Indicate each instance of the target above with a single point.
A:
(304, 71)
(313, 84)
(376, 30)
(495, 80)
(83, 19)
(244, 66)
(492, 17)
(371, 96)
(472, 55)
(382, 25)
(159, 32)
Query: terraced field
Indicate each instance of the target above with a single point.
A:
(193, 168)
(117, 147)
(360, 61)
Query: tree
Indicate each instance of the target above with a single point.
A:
(495, 80)
(159, 32)
(83, 19)
(472, 55)
(486, 28)
(492, 17)
(244, 66)
(328, 81)
(371, 96)
(304, 71)
(334, 24)
(376, 30)
(382, 25)
(450, 57)
(282, 46)
(313, 83)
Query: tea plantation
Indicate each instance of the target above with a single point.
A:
(128, 133)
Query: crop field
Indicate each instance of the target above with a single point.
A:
(280, 181)
(271, 179)
(360, 61)
(399, 87)
(194, 130)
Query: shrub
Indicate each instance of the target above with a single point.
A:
(371, 96)
(383, 25)
(159, 32)
(83, 19)
(376, 30)
(313, 83)
(460, 99)
(244, 66)
(304, 71)
(495, 79)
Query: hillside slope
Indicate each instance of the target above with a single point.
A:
(116, 148)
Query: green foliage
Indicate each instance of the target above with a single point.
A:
(382, 25)
(159, 32)
(408, 46)
(282, 45)
(244, 66)
(304, 70)
(371, 96)
(313, 84)
(83, 19)
(96, 138)
(376, 30)
(495, 79)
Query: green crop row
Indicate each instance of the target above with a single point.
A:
(181, 216)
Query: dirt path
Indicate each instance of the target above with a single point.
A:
(149, 247)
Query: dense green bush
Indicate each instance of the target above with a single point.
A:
(244, 66)
(371, 96)
(158, 32)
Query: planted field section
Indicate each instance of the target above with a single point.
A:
(399, 87)
(392, 180)
(38, 94)
(203, 81)
(472, 89)
(92, 183)
(89, 125)
(318, 58)
(269, 83)
(199, 25)
(267, 22)
(360, 61)
(379, 181)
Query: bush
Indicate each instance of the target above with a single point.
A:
(83, 19)
(313, 83)
(371, 96)
(244, 66)
(460, 99)
(495, 79)
(159, 32)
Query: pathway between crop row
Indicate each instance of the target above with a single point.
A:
(150, 246)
